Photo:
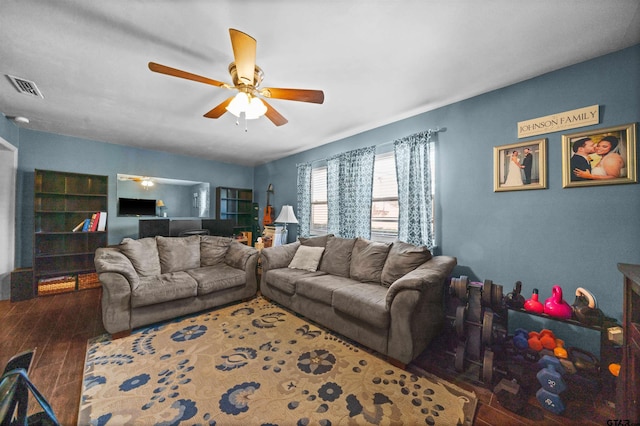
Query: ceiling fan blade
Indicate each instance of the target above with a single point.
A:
(301, 95)
(163, 69)
(219, 110)
(244, 52)
(274, 115)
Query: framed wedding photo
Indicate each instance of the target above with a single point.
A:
(600, 157)
(520, 166)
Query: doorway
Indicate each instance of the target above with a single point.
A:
(8, 173)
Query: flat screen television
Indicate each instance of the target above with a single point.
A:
(136, 207)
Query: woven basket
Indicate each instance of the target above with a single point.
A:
(88, 281)
(56, 285)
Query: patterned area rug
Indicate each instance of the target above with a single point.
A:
(256, 363)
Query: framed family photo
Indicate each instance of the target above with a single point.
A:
(599, 157)
(520, 166)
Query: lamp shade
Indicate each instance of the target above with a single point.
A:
(160, 203)
(252, 106)
(286, 215)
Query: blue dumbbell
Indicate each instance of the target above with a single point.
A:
(550, 360)
(520, 338)
(550, 377)
(550, 401)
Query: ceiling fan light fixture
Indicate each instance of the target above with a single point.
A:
(252, 107)
(239, 104)
(256, 109)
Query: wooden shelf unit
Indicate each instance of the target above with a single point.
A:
(235, 204)
(61, 201)
(628, 387)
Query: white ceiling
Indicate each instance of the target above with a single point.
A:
(377, 61)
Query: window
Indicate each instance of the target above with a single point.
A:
(384, 205)
(319, 211)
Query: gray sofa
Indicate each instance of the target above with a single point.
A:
(388, 297)
(158, 278)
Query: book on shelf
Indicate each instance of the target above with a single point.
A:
(79, 226)
(85, 226)
(93, 222)
(102, 221)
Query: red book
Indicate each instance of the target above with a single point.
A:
(93, 225)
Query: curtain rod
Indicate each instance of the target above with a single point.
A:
(429, 133)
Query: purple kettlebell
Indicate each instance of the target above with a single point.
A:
(555, 306)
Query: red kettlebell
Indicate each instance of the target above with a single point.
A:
(533, 304)
(555, 306)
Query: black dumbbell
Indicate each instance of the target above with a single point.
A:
(487, 364)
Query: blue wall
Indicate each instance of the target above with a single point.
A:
(38, 150)
(573, 237)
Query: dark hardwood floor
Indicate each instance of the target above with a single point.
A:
(60, 325)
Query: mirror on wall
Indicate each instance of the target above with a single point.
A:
(172, 197)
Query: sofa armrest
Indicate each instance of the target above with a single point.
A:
(110, 259)
(238, 254)
(430, 274)
(116, 302)
(278, 256)
(415, 304)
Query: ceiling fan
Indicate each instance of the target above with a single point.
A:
(246, 77)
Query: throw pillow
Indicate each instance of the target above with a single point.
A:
(213, 249)
(143, 254)
(179, 253)
(320, 241)
(337, 256)
(307, 258)
(367, 260)
(403, 258)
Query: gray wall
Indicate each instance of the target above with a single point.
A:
(573, 237)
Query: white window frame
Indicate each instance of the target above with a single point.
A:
(321, 172)
(390, 197)
(318, 173)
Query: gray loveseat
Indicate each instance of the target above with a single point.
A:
(388, 297)
(158, 278)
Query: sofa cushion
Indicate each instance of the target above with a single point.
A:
(320, 288)
(403, 258)
(143, 254)
(320, 241)
(178, 253)
(284, 279)
(163, 288)
(337, 256)
(307, 258)
(367, 260)
(364, 301)
(218, 277)
(213, 249)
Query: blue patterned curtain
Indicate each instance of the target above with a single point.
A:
(414, 189)
(349, 187)
(304, 199)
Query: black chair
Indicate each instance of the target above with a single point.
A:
(14, 395)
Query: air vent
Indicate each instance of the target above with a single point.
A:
(25, 86)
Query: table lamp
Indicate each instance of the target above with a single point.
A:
(286, 216)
